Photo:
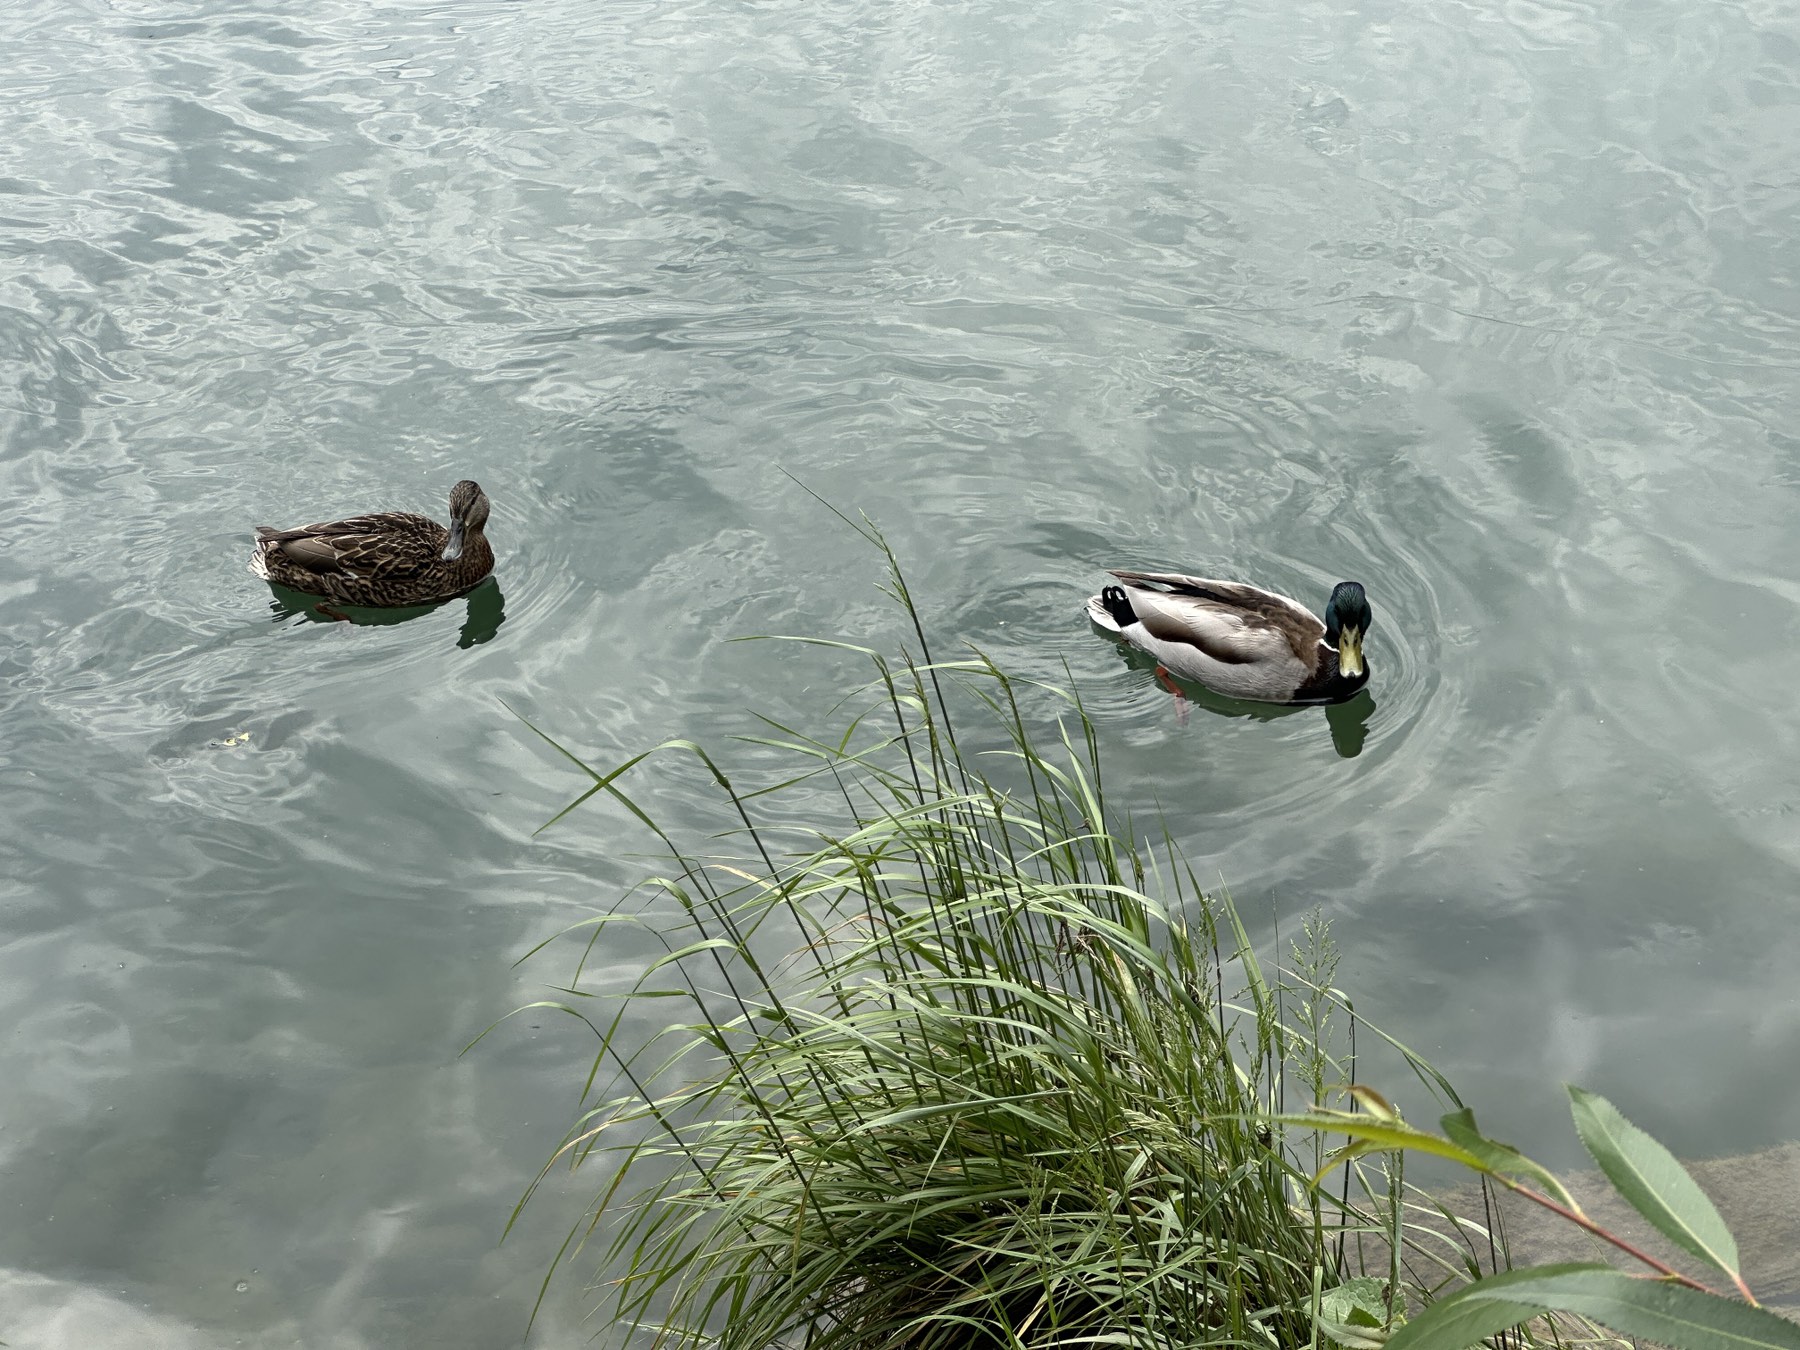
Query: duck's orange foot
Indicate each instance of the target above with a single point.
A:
(1167, 681)
(331, 613)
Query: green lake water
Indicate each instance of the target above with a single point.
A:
(1492, 307)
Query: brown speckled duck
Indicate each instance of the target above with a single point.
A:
(1239, 640)
(387, 558)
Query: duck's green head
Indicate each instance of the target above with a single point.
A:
(468, 513)
(1347, 620)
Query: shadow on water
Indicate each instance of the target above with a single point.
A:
(1349, 720)
(486, 611)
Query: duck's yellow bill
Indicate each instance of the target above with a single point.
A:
(1350, 660)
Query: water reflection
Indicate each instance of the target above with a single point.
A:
(486, 611)
(1349, 720)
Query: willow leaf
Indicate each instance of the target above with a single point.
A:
(1654, 1310)
(1658, 1186)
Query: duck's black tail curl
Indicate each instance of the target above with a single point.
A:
(1118, 605)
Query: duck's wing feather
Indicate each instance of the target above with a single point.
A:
(390, 544)
(1228, 620)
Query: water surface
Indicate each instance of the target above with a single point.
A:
(1490, 307)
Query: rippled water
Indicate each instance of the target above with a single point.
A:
(1490, 307)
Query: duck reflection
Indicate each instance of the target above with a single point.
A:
(486, 607)
(1348, 721)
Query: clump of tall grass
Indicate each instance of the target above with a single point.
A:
(969, 1063)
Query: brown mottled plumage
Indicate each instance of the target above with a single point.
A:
(1241, 640)
(384, 559)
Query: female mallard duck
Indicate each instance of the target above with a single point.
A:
(388, 558)
(1241, 640)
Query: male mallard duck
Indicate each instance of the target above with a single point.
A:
(388, 558)
(1241, 640)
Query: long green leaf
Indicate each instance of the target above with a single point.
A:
(1503, 1160)
(1372, 1134)
(1656, 1310)
(1658, 1186)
